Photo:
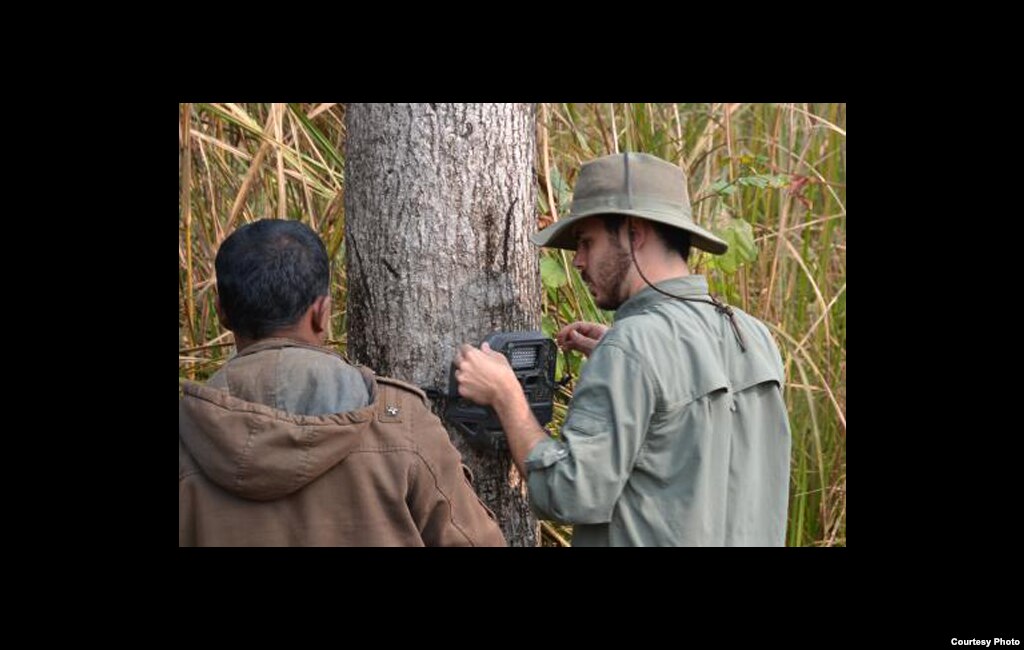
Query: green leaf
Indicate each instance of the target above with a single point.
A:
(551, 273)
(764, 180)
(575, 361)
(743, 240)
(723, 187)
(542, 203)
(727, 261)
(753, 181)
(548, 325)
(561, 189)
(740, 236)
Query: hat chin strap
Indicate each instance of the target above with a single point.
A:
(720, 306)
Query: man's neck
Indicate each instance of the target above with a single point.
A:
(655, 272)
(295, 334)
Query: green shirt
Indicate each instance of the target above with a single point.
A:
(675, 436)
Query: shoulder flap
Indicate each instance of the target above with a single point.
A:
(397, 396)
(404, 386)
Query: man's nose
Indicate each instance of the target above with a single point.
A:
(576, 261)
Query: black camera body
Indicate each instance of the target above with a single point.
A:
(532, 357)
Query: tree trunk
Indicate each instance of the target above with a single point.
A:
(439, 204)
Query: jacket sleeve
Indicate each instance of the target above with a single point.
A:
(579, 479)
(441, 498)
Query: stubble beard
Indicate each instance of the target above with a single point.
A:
(609, 277)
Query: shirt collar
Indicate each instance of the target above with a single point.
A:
(690, 286)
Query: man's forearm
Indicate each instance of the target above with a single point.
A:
(521, 427)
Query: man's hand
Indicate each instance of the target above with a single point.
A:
(581, 336)
(484, 375)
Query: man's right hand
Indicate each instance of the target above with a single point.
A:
(581, 336)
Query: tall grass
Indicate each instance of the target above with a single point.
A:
(771, 179)
(240, 163)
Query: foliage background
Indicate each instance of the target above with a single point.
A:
(768, 178)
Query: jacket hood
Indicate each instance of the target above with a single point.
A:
(262, 453)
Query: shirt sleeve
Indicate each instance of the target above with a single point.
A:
(579, 479)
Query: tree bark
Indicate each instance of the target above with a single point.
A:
(439, 205)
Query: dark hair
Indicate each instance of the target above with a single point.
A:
(268, 274)
(675, 239)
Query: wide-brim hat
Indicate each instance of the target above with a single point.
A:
(633, 184)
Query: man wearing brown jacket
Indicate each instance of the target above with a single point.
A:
(288, 445)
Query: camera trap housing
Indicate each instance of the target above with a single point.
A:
(532, 357)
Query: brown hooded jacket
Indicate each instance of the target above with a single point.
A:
(385, 474)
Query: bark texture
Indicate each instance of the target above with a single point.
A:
(439, 205)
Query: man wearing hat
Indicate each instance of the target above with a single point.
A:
(677, 433)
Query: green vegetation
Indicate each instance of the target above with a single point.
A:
(768, 178)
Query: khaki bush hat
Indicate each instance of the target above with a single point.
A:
(633, 184)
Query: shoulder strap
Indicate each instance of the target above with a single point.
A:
(404, 386)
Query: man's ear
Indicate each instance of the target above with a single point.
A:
(221, 316)
(321, 314)
(636, 232)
